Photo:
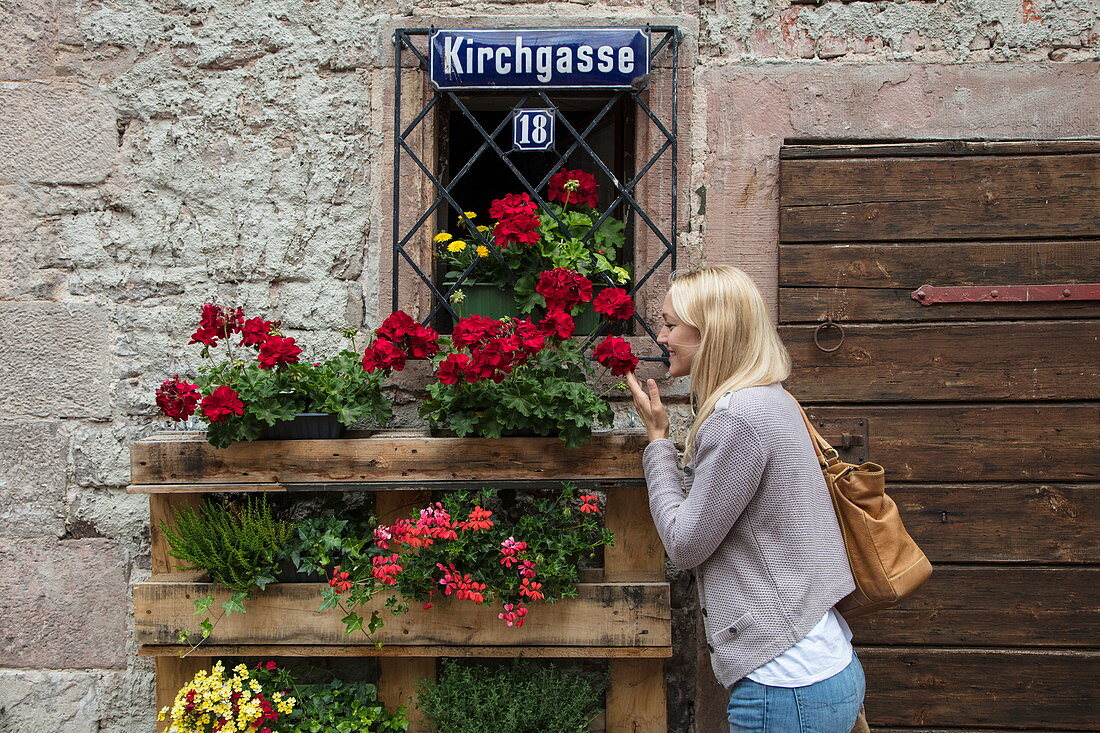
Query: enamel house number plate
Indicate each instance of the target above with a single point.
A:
(533, 129)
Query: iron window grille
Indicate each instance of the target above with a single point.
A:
(664, 39)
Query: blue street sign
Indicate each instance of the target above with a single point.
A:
(533, 129)
(613, 58)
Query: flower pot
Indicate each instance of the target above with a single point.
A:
(487, 299)
(305, 426)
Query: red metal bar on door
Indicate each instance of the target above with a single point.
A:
(932, 295)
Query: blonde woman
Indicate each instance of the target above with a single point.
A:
(750, 513)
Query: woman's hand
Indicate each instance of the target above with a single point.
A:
(649, 407)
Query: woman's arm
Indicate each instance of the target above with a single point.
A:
(728, 466)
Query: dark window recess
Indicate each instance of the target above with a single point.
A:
(595, 131)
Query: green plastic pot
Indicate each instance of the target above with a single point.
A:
(487, 299)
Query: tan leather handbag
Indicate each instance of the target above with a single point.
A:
(886, 563)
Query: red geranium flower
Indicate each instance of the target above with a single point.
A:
(574, 187)
(278, 350)
(223, 402)
(339, 582)
(512, 204)
(614, 303)
(531, 339)
(383, 354)
(255, 331)
(397, 326)
(217, 323)
(614, 353)
(422, 342)
(564, 288)
(177, 399)
(474, 329)
(521, 227)
(453, 369)
(557, 323)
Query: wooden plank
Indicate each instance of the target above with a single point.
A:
(940, 148)
(980, 197)
(1003, 522)
(854, 305)
(981, 688)
(637, 555)
(994, 606)
(979, 442)
(179, 460)
(1038, 360)
(172, 673)
(636, 700)
(910, 265)
(163, 508)
(360, 650)
(397, 686)
(606, 614)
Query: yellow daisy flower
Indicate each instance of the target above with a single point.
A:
(442, 237)
(482, 228)
(456, 246)
(482, 250)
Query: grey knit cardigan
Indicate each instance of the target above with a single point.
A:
(756, 524)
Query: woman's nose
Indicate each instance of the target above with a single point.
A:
(662, 336)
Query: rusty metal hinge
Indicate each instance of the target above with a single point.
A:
(932, 295)
(849, 435)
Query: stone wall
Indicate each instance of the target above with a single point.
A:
(157, 154)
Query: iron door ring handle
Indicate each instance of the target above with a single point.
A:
(817, 335)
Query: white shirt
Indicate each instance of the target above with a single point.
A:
(823, 652)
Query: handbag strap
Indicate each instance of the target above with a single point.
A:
(826, 454)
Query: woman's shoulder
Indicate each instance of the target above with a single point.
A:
(752, 403)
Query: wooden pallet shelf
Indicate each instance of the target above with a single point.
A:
(623, 616)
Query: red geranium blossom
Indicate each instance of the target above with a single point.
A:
(474, 329)
(339, 581)
(383, 354)
(557, 323)
(614, 303)
(574, 187)
(422, 342)
(223, 402)
(564, 288)
(521, 227)
(397, 326)
(479, 519)
(614, 353)
(512, 204)
(278, 350)
(177, 399)
(217, 323)
(255, 331)
(453, 369)
(531, 339)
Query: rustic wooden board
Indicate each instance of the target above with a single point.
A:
(1037, 360)
(940, 148)
(397, 686)
(979, 197)
(982, 688)
(172, 673)
(636, 700)
(637, 555)
(854, 305)
(286, 613)
(186, 458)
(360, 650)
(1003, 522)
(163, 508)
(993, 606)
(980, 442)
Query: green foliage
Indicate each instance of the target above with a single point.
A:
(518, 698)
(238, 544)
(320, 543)
(334, 707)
(548, 395)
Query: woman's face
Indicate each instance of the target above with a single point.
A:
(681, 340)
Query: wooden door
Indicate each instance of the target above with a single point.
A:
(986, 415)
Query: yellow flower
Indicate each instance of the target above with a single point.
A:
(482, 250)
(468, 216)
(441, 238)
(482, 228)
(456, 246)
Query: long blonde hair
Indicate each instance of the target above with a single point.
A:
(738, 344)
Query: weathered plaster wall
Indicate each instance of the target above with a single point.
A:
(157, 154)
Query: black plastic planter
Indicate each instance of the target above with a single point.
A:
(305, 426)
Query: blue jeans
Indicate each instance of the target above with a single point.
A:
(828, 706)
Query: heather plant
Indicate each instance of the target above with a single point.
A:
(238, 544)
(520, 697)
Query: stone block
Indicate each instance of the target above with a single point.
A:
(28, 244)
(63, 604)
(38, 701)
(26, 39)
(320, 304)
(101, 453)
(55, 132)
(55, 361)
(32, 479)
(111, 514)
